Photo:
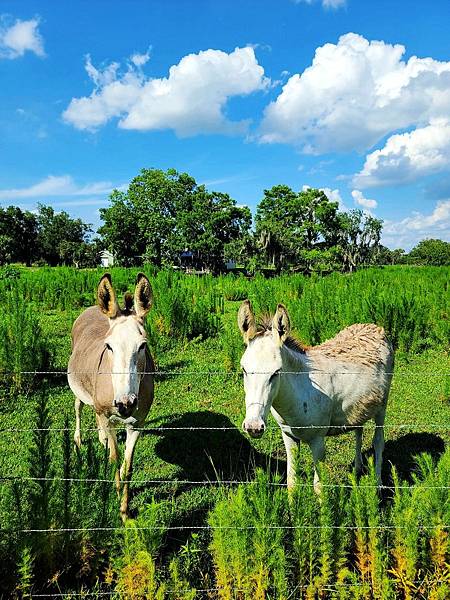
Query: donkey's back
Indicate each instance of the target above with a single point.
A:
(359, 362)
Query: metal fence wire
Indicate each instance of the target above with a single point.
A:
(11, 478)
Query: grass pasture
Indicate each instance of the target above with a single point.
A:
(190, 532)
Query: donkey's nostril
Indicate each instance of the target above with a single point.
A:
(254, 428)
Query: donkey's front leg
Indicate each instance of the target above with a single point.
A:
(126, 468)
(317, 446)
(106, 430)
(290, 444)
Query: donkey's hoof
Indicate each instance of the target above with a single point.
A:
(77, 442)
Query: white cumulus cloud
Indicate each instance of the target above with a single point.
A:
(20, 37)
(418, 226)
(360, 200)
(407, 156)
(355, 93)
(63, 185)
(190, 100)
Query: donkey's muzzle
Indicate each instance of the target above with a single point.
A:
(126, 405)
(254, 427)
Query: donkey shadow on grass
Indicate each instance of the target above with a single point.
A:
(402, 452)
(212, 449)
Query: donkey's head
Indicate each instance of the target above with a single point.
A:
(125, 342)
(261, 363)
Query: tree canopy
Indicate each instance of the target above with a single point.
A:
(431, 252)
(166, 213)
(166, 218)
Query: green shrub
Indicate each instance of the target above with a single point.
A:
(23, 346)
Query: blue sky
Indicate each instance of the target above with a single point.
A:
(349, 96)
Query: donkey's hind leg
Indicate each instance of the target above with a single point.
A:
(77, 434)
(378, 442)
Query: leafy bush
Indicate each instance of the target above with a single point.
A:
(23, 346)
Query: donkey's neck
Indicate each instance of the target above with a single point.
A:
(294, 361)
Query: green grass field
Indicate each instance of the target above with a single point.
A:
(199, 388)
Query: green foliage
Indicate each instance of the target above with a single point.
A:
(59, 236)
(25, 574)
(320, 553)
(246, 523)
(163, 214)
(18, 235)
(369, 539)
(359, 236)
(135, 568)
(320, 538)
(289, 223)
(23, 346)
(430, 252)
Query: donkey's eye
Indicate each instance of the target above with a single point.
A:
(244, 371)
(108, 347)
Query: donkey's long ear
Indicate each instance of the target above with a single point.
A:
(246, 321)
(106, 297)
(143, 296)
(281, 324)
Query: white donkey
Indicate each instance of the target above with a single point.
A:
(111, 370)
(318, 391)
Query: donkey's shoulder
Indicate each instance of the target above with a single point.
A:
(92, 323)
(363, 343)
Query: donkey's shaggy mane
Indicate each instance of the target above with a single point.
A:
(264, 325)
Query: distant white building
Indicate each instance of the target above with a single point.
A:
(106, 258)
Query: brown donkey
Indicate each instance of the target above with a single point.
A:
(111, 369)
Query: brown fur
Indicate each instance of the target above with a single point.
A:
(264, 326)
(90, 364)
(360, 343)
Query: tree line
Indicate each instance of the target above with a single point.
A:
(167, 219)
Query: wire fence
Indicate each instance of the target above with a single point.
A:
(227, 527)
(327, 588)
(8, 479)
(219, 482)
(224, 373)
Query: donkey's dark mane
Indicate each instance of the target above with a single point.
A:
(264, 325)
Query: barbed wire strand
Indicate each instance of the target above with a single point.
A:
(225, 373)
(330, 587)
(348, 428)
(220, 527)
(14, 478)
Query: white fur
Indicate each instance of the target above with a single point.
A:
(309, 392)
